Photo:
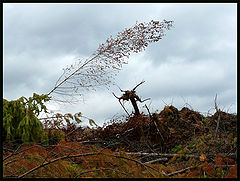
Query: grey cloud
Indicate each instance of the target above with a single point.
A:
(198, 30)
(31, 73)
(195, 60)
(60, 29)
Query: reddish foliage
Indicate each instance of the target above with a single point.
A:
(175, 126)
(194, 173)
(232, 172)
(35, 149)
(209, 169)
(229, 161)
(219, 161)
(73, 148)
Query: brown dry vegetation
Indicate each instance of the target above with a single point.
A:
(172, 143)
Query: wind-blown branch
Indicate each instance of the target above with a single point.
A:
(108, 59)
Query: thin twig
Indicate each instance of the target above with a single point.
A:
(72, 74)
(121, 104)
(218, 113)
(138, 85)
(124, 108)
(215, 103)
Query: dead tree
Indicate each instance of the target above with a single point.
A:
(132, 96)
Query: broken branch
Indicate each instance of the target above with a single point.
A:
(138, 85)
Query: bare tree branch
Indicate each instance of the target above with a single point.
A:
(182, 170)
(218, 113)
(121, 103)
(138, 85)
(132, 96)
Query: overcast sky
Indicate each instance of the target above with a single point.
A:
(191, 64)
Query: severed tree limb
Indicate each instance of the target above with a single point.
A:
(144, 100)
(215, 104)
(121, 104)
(182, 170)
(115, 96)
(138, 99)
(134, 104)
(159, 159)
(133, 97)
(124, 108)
(138, 85)
(108, 59)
